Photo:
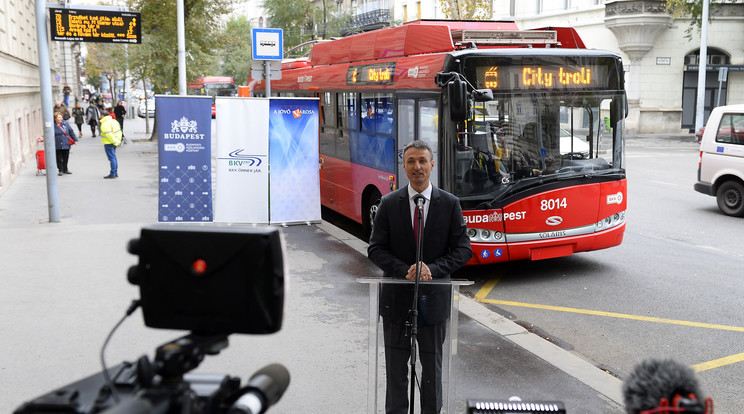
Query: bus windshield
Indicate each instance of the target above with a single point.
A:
(220, 89)
(524, 137)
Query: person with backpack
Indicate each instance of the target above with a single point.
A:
(93, 115)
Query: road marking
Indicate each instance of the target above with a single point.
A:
(718, 363)
(703, 366)
(616, 315)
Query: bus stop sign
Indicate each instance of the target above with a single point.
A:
(267, 44)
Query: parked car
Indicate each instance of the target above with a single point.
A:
(721, 164)
(572, 144)
(150, 108)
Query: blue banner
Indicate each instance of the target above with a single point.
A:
(184, 126)
(293, 156)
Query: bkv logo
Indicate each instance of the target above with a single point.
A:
(183, 125)
(235, 158)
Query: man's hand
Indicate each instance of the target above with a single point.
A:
(425, 272)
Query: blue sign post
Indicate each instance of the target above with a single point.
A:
(267, 45)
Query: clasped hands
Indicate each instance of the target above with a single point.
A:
(425, 272)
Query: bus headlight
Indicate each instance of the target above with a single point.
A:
(610, 221)
(485, 236)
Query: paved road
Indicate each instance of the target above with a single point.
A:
(64, 287)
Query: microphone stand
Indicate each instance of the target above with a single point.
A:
(414, 306)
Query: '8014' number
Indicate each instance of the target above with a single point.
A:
(553, 204)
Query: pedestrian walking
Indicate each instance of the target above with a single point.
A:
(120, 110)
(78, 114)
(62, 109)
(110, 138)
(93, 115)
(64, 137)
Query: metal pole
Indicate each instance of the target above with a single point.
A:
(700, 112)
(181, 49)
(267, 75)
(45, 88)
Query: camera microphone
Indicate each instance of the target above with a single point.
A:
(664, 383)
(264, 389)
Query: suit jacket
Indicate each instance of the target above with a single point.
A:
(392, 247)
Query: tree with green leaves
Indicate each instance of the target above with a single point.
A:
(301, 21)
(692, 10)
(467, 9)
(202, 36)
(108, 60)
(236, 55)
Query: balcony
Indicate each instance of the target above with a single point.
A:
(368, 20)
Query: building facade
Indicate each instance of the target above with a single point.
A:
(660, 60)
(20, 97)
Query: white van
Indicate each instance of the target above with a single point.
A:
(721, 165)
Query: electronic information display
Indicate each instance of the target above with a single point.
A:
(80, 25)
(372, 74)
(550, 73)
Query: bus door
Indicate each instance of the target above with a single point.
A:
(418, 118)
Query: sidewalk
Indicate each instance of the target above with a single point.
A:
(64, 288)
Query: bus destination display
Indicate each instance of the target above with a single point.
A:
(547, 77)
(372, 74)
(102, 26)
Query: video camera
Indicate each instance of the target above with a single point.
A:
(212, 281)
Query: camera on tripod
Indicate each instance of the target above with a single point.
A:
(213, 282)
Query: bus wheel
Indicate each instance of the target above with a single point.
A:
(730, 197)
(371, 205)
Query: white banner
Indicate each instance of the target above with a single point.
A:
(242, 181)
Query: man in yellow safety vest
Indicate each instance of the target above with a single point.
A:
(110, 138)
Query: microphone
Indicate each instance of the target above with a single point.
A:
(656, 383)
(419, 200)
(264, 389)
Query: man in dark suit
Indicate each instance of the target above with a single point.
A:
(392, 247)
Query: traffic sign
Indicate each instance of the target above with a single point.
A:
(267, 44)
(258, 70)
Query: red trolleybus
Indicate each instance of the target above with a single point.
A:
(526, 127)
(213, 86)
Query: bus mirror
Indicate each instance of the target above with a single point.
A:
(482, 95)
(458, 100)
(618, 109)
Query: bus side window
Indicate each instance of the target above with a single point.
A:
(368, 112)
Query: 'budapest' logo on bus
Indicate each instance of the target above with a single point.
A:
(483, 218)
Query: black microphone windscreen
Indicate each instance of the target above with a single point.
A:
(418, 199)
(654, 379)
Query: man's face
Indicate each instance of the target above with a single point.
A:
(418, 164)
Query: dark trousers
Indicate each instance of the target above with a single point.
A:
(121, 123)
(430, 339)
(93, 128)
(80, 127)
(63, 155)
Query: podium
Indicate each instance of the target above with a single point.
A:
(377, 382)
